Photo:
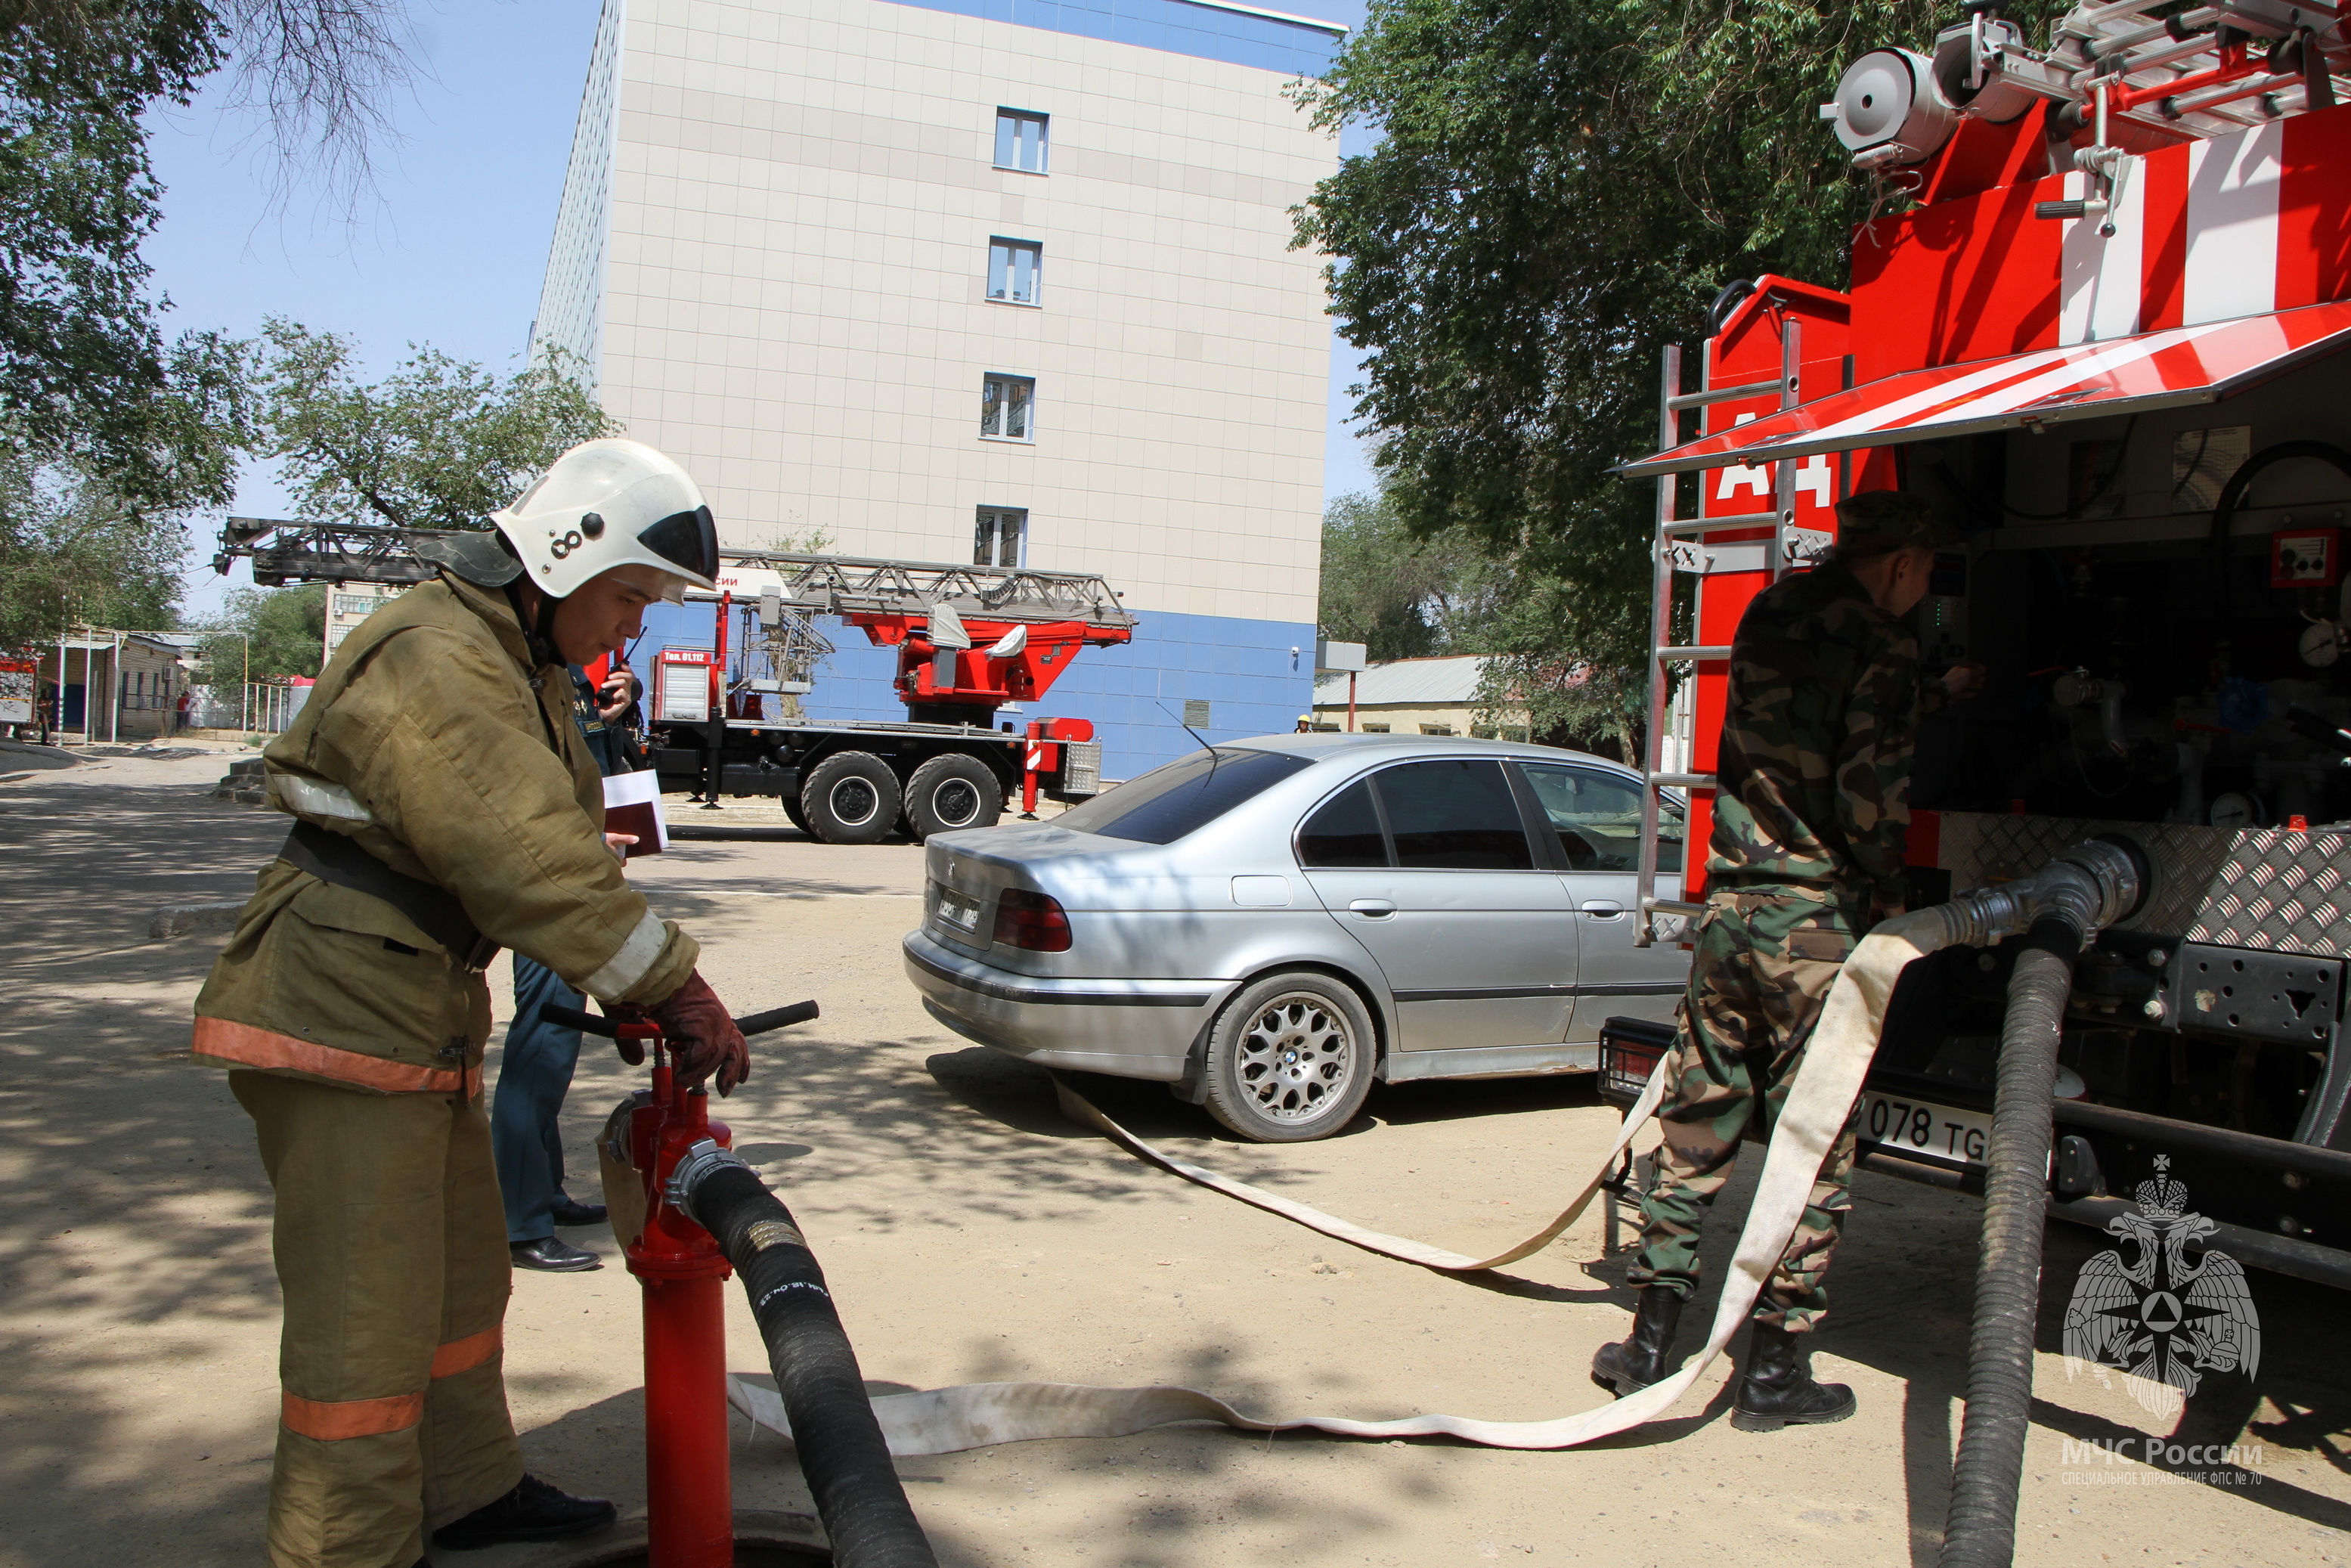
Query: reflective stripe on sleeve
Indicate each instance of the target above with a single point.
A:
(316, 798)
(465, 1355)
(245, 1045)
(332, 1420)
(619, 975)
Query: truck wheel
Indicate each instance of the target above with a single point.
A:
(1290, 1059)
(851, 797)
(952, 791)
(798, 819)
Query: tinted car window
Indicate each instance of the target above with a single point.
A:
(1346, 832)
(1455, 816)
(1597, 816)
(1185, 795)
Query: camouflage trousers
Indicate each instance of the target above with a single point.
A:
(1761, 969)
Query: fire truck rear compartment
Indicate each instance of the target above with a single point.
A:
(2091, 565)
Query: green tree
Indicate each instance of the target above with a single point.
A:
(438, 444)
(1402, 595)
(266, 631)
(1560, 188)
(112, 430)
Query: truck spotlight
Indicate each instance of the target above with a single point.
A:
(1888, 109)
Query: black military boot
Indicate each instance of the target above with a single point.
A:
(534, 1510)
(1779, 1391)
(1629, 1367)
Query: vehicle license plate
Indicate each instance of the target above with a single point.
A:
(958, 913)
(1917, 1127)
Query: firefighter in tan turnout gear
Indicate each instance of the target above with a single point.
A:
(446, 808)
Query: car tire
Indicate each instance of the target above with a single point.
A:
(950, 791)
(851, 797)
(1290, 1059)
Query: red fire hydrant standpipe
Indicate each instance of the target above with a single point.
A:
(675, 1148)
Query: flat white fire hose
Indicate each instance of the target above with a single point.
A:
(1819, 1103)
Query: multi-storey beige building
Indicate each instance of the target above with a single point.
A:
(1007, 281)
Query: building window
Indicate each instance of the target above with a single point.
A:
(1436, 729)
(1008, 406)
(1376, 730)
(356, 603)
(998, 535)
(1020, 140)
(1014, 270)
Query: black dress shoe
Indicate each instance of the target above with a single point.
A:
(552, 1255)
(534, 1510)
(567, 1212)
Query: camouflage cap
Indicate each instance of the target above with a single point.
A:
(1876, 521)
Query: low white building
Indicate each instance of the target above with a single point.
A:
(1007, 281)
(1413, 696)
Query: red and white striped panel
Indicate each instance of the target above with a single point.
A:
(2180, 365)
(2206, 230)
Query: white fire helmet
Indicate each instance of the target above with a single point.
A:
(606, 504)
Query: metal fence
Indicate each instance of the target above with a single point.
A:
(259, 708)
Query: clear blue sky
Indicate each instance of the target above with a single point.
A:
(451, 249)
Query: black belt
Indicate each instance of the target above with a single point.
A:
(332, 857)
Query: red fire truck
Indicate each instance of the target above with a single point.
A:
(2096, 319)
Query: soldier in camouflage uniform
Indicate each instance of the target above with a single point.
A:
(1814, 766)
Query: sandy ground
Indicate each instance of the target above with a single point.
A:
(971, 1234)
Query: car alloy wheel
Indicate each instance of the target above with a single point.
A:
(1295, 1058)
(1290, 1059)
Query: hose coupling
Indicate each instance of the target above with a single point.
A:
(2088, 885)
(700, 1162)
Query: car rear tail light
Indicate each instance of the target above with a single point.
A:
(1031, 920)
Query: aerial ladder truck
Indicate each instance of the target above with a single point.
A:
(725, 720)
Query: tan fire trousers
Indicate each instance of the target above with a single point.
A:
(391, 1256)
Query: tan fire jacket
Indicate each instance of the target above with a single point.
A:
(435, 745)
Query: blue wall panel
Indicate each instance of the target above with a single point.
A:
(1206, 32)
(1135, 694)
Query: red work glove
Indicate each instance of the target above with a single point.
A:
(702, 1036)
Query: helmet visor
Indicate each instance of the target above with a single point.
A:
(687, 539)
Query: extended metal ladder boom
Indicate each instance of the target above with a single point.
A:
(846, 585)
(284, 551)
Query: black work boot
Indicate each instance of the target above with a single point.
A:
(1779, 1391)
(1629, 1367)
(534, 1510)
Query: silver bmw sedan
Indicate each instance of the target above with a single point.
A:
(1267, 926)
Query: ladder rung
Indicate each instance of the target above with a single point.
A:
(1671, 906)
(1705, 653)
(1722, 394)
(1684, 780)
(1712, 525)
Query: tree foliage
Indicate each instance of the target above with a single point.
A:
(1402, 595)
(1561, 187)
(438, 444)
(264, 632)
(114, 430)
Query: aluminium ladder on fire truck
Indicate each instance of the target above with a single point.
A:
(1672, 403)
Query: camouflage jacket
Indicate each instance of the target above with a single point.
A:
(1817, 734)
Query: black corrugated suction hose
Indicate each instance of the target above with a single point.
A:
(1980, 1530)
(842, 1449)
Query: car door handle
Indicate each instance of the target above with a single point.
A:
(1602, 908)
(1373, 908)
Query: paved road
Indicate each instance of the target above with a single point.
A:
(971, 1234)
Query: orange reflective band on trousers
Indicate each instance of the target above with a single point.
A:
(247, 1045)
(329, 1420)
(465, 1355)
